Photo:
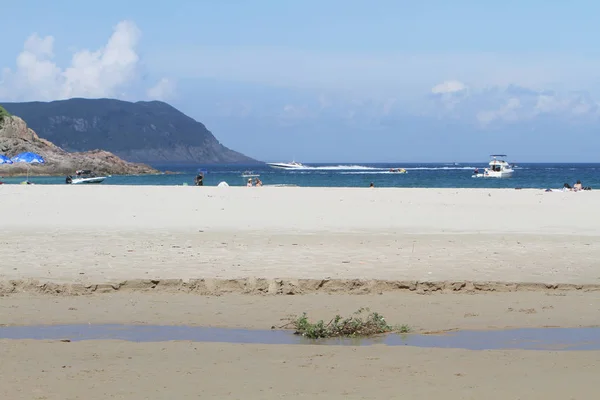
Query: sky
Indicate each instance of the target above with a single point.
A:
(330, 80)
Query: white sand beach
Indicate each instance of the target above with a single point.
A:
(105, 234)
(435, 259)
(293, 210)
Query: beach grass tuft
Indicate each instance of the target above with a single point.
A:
(362, 323)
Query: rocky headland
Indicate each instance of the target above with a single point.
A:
(16, 137)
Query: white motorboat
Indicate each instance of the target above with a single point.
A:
(96, 179)
(498, 168)
(84, 177)
(290, 165)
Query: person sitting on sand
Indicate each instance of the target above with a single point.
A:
(578, 186)
(249, 184)
(372, 185)
(257, 182)
(567, 187)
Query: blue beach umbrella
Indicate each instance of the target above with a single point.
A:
(5, 160)
(28, 158)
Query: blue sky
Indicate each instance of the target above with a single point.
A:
(330, 80)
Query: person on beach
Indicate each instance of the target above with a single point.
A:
(578, 186)
(249, 184)
(567, 187)
(199, 181)
(372, 185)
(257, 182)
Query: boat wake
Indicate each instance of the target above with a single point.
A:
(437, 168)
(387, 170)
(338, 168)
(382, 169)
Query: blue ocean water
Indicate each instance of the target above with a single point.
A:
(361, 175)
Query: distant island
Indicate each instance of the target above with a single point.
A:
(16, 137)
(150, 132)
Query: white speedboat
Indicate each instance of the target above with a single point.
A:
(498, 168)
(290, 165)
(84, 177)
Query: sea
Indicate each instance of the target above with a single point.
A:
(419, 175)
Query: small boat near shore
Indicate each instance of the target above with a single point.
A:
(84, 176)
(498, 168)
(249, 174)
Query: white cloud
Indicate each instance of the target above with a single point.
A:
(581, 108)
(547, 104)
(508, 112)
(448, 87)
(105, 72)
(449, 94)
(575, 105)
(163, 90)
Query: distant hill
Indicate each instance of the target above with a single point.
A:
(151, 132)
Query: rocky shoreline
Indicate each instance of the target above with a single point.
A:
(16, 137)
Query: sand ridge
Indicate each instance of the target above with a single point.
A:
(258, 286)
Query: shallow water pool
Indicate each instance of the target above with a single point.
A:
(529, 338)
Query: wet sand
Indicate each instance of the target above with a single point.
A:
(136, 371)
(185, 370)
(423, 313)
(127, 370)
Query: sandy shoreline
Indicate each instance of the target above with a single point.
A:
(434, 259)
